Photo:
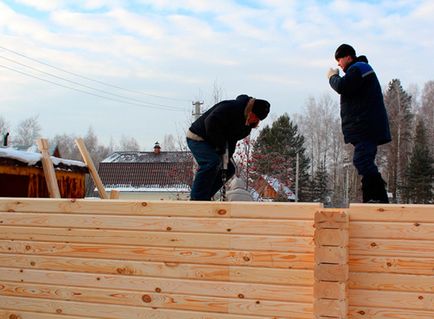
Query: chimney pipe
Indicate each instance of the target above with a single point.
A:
(157, 148)
(5, 139)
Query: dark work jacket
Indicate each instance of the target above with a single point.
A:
(363, 114)
(223, 123)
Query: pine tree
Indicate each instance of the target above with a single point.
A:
(275, 153)
(420, 172)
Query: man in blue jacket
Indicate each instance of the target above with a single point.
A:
(364, 117)
(218, 129)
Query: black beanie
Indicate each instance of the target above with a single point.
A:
(261, 108)
(345, 50)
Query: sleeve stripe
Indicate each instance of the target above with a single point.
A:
(367, 73)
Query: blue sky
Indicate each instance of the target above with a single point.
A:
(151, 58)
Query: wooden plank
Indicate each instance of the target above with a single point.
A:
(330, 290)
(161, 269)
(285, 293)
(170, 255)
(19, 314)
(392, 299)
(114, 194)
(393, 247)
(330, 272)
(333, 255)
(293, 211)
(397, 265)
(392, 230)
(108, 311)
(356, 312)
(391, 282)
(160, 239)
(161, 300)
(392, 212)
(331, 218)
(331, 237)
(331, 308)
(172, 224)
(92, 169)
(47, 165)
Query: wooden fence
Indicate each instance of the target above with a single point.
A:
(75, 259)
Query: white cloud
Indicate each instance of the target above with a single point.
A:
(278, 48)
(143, 25)
(81, 22)
(45, 5)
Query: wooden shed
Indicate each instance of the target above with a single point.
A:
(21, 175)
(268, 188)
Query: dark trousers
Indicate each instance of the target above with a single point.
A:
(208, 178)
(364, 158)
(373, 185)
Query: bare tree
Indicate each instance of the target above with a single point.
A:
(4, 126)
(169, 143)
(4, 130)
(427, 113)
(320, 125)
(217, 93)
(67, 147)
(128, 144)
(27, 131)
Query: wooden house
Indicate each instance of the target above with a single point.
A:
(22, 175)
(148, 175)
(268, 188)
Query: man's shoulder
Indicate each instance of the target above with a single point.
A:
(364, 68)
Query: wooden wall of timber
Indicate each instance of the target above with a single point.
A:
(161, 260)
(391, 261)
(76, 259)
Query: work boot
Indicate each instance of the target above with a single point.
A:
(380, 190)
(367, 189)
(374, 189)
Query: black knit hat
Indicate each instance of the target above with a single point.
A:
(345, 50)
(261, 108)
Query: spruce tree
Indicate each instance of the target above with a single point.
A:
(398, 105)
(320, 182)
(275, 153)
(420, 172)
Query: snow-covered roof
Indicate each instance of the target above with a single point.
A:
(148, 157)
(33, 158)
(147, 171)
(149, 188)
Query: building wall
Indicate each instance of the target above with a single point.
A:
(62, 259)
(391, 261)
(163, 259)
(19, 181)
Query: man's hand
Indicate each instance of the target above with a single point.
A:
(332, 72)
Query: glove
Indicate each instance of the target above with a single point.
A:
(332, 72)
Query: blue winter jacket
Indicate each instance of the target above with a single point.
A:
(363, 114)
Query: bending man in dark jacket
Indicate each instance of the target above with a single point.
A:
(364, 118)
(217, 129)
